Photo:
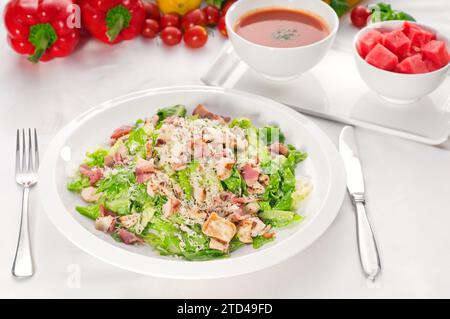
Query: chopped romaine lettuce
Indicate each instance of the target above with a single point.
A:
(285, 202)
(241, 122)
(260, 241)
(279, 218)
(235, 244)
(117, 182)
(116, 188)
(168, 238)
(121, 205)
(77, 184)
(271, 134)
(96, 158)
(235, 183)
(176, 110)
(264, 205)
(145, 217)
(294, 157)
(183, 179)
(136, 142)
(203, 255)
(92, 211)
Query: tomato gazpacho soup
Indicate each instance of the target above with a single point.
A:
(282, 27)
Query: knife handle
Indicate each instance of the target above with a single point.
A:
(368, 251)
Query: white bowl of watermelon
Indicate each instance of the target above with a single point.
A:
(401, 61)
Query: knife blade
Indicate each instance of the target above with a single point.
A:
(368, 251)
(350, 156)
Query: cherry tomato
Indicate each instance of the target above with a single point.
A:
(222, 27)
(193, 18)
(212, 14)
(170, 20)
(171, 35)
(227, 6)
(359, 16)
(150, 28)
(152, 10)
(195, 37)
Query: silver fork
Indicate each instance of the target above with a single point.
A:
(27, 164)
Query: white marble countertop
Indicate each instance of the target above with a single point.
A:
(407, 190)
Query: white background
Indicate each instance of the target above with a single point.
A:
(408, 187)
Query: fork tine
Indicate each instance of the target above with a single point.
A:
(30, 155)
(18, 168)
(24, 158)
(36, 151)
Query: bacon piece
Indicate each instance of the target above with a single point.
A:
(120, 156)
(143, 178)
(226, 196)
(238, 216)
(144, 170)
(160, 141)
(279, 148)
(94, 174)
(241, 200)
(249, 174)
(121, 131)
(85, 170)
(128, 237)
(105, 212)
(144, 167)
(203, 112)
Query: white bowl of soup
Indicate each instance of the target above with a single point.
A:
(281, 39)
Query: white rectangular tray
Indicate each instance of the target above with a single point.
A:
(334, 90)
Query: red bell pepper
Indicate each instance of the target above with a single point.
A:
(112, 21)
(41, 28)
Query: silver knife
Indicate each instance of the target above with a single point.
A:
(368, 251)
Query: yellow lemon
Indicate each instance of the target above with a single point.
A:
(178, 6)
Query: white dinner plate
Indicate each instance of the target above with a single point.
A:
(92, 129)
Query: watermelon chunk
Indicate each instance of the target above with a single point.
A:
(382, 58)
(398, 43)
(368, 41)
(417, 35)
(412, 65)
(431, 66)
(436, 52)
